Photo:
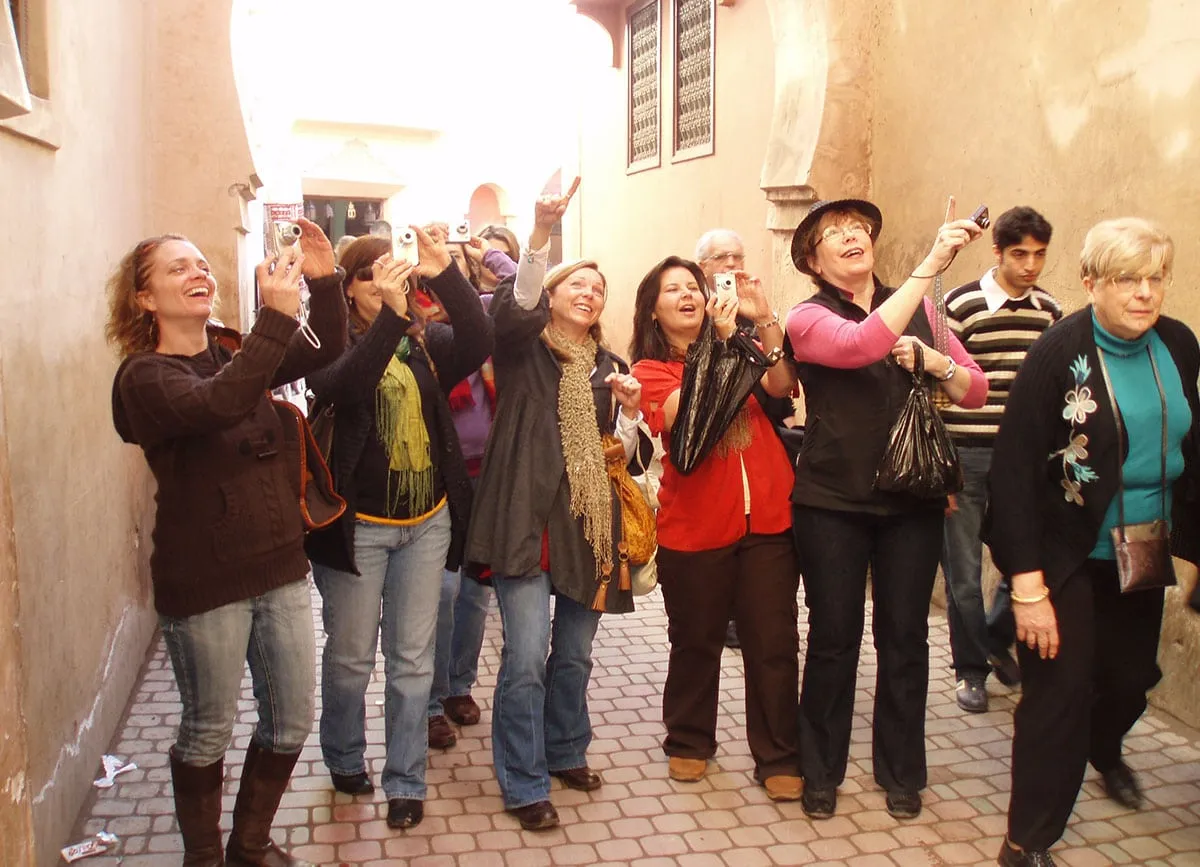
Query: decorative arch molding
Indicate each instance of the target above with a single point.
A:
(609, 14)
(820, 140)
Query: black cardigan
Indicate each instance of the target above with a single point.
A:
(1032, 522)
(349, 384)
(523, 488)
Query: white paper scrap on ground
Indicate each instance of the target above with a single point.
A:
(112, 767)
(97, 845)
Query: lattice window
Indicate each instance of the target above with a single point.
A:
(644, 109)
(693, 132)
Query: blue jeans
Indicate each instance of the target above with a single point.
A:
(539, 714)
(462, 617)
(273, 633)
(974, 632)
(396, 595)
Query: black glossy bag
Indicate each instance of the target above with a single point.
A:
(920, 459)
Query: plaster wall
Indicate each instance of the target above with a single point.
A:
(79, 497)
(1082, 115)
(627, 223)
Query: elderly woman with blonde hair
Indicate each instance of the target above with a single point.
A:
(545, 520)
(1096, 450)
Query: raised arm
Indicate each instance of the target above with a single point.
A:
(327, 315)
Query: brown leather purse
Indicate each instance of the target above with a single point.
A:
(1143, 550)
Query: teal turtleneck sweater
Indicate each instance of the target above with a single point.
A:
(1141, 414)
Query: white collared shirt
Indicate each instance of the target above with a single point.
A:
(995, 296)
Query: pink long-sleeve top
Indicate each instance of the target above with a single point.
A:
(820, 336)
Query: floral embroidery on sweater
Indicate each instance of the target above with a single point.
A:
(1078, 405)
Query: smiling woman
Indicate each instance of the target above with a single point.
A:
(228, 564)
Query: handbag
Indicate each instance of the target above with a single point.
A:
(919, 459)
(320, 503)
(1143, 551)
(645, 577)
(320, 422)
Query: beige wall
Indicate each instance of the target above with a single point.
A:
(142, 96)
(1083, 116)
(628, 223)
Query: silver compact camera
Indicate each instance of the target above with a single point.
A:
(460, 233)
(287, 234)
(725, 285)
(404, 246)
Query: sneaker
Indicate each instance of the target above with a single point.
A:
(441, 734)
(971, 693)
(1122, 786)
(819, 803)
(903, 805)
(1005, 667)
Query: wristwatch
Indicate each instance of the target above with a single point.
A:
(775, 356)
(951, 369)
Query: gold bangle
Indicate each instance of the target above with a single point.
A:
(1030, 600)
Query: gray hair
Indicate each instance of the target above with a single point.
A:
(705, 244)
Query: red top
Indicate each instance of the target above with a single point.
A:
(707, 510)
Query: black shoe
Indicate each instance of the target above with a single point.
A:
(1010, 857)
(1006, 669)
(903, 805)
(731, 636)
(971, 693)
(1122, 787)
(404, 812)
(819, 803)
(581, 779)
(352, 784)
(540, 816)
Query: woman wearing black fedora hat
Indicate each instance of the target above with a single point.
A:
(854, 343)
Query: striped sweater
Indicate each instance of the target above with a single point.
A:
(998, 341)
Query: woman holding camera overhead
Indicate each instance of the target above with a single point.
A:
(724, 533)
(854, 345)
(228, 565)
(397, 462)
(1097, 446)
(545, 519)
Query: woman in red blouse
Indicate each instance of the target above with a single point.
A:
(725, 549)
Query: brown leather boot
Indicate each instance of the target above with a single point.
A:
(198, 810)
(264, 780)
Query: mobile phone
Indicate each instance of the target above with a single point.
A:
(725, 285)
(404, 246)
(980, 218)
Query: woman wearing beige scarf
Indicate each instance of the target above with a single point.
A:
(545, 520)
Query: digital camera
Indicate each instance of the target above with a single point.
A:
(980, 218)
(404, 246)
(460, 233)
(287, 234)
(725, 285)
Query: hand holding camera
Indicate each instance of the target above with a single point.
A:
(432, 256)
(390, 277)
(279, 280)
(318, 252)
(722, 308)
(952, 236)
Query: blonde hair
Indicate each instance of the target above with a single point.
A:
(559, 273)
(130, 327)
(1127, 245)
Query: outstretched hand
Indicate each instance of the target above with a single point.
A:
(547, 211)
(318, 252)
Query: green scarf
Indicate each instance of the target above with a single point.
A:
(401, 426)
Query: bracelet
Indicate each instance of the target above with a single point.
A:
(774, 320)
(951, 369)
(1030, 600)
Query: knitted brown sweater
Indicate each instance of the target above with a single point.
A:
(228, 524)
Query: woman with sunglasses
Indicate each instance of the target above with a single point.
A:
(396, 460)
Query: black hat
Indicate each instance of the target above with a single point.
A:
(816, 212)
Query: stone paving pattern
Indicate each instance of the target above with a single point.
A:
(640, 818)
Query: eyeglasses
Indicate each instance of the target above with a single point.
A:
(1132, 282)
(844, 231)
(735, 258)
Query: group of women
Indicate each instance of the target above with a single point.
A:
(465, 437)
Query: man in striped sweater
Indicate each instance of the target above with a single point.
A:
(997, 318)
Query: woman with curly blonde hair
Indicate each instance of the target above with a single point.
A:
(228, 565)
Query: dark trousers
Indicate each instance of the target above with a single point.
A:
(754, 582)
(835, 550)
(1077, 707)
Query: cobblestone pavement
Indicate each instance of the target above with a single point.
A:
(641, 818)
